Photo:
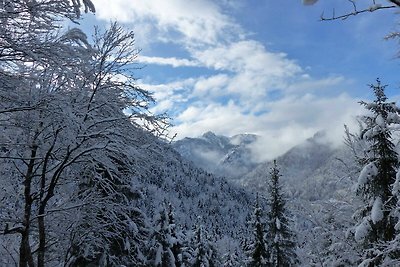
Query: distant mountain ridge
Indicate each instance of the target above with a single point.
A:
(311, 170)
(221, 155)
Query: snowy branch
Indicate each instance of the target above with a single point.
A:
(356, 11)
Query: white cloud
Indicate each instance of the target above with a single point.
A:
(212, 86)
(247, 55)
(172, 61)
(253, 70)
(307, 84)
(200, 21)
(169, 95)
(223, 119)
(290, 121)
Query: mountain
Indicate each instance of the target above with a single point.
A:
(196, 195)
(317, 179)
(226, 156)
(313, 170)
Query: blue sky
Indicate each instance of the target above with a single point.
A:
(257, 66)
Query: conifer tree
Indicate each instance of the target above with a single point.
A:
(180, 248)
(177, 242)
(205, 253)
(378, 217)
(161, 242)
(257, 250)
(281, 239)
(231, 259)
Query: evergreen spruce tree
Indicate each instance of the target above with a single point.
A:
(205, 253)
(162, 242)
(376, 184)
(180, 249)
(281, 240)
(257, 249)
(231, 259)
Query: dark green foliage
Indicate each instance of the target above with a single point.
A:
(205, 253)
(257, 249)
(377, 218)
(281, 240)
(382, 155)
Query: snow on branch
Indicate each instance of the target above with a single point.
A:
(309, 2)
(355, 10)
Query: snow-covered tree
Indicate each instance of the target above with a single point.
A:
(27, 28)
(376, 185)
(39, 138)
(281, 239)
(257, 249)
(180, 247)
(323, 236)
(231, 259)
(71, 110)
(162, 241)
(204, 252)
(109, 228)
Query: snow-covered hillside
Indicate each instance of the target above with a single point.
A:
(194, 192)
(312, 170)
(318, 180)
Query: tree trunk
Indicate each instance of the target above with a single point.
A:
(25, 252)
(42, 237)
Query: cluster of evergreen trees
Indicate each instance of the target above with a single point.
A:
(172, 246)
(273, 242)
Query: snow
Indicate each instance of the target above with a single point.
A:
(362, 230)
(371, 105)
(365, 263)
(380, 121)
(276, 238)
(374, 7)
(127, 244)
(309, 2)
(397, 226)
(393, 118)
(369, 171)
(396, 184)
(158, 259)
(378, 129)
(278, 223)
(376, 212)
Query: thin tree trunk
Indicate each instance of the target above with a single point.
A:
(42, 237)
(25, 252)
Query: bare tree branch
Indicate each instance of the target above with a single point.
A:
(356, 11)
